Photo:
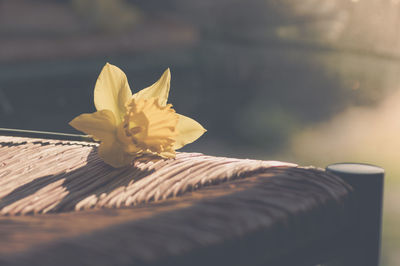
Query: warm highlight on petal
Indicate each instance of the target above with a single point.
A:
(101, 125)
(159, 90)
(112, 91)
(188, 130)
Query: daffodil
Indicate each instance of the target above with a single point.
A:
(131, 126)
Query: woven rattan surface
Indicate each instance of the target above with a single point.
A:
(40, 176)
(165, 212)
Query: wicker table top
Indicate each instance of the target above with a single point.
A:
(60, 204)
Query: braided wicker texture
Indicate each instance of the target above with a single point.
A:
(190, 210)
(40, 176)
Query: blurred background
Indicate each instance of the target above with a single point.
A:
(312, 81)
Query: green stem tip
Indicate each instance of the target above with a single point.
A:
(44, 135)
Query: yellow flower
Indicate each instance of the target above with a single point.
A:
(130, 126)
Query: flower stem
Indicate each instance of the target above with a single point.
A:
(43, 135)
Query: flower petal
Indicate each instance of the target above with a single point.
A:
(112, 153)
(101, 125)
(188, 131)
(159, 90)
(112, 91)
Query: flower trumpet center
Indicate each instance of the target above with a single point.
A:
(150, 127)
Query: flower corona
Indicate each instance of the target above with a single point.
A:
(151, 127)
